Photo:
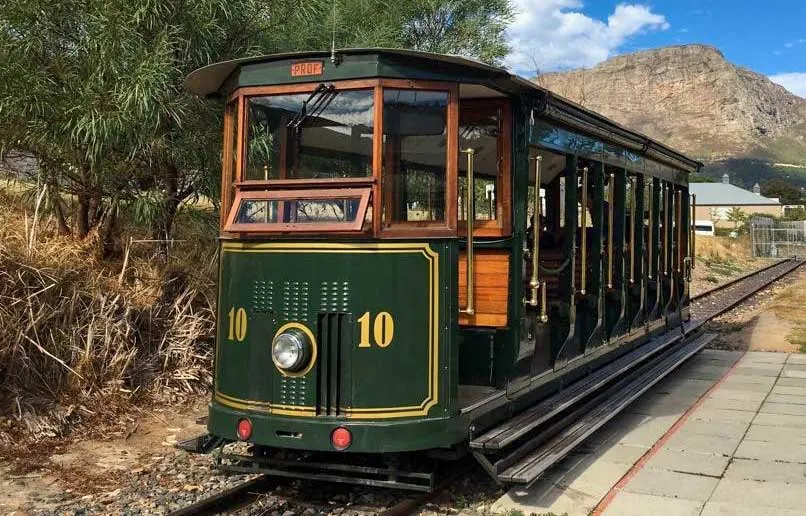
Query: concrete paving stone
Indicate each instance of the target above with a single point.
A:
(759, 365)
(686, 440)
(593, 478)
(786, 398)
(766, 471)
(731, 404)
(730, 509)
(795, 366)
(697, 370)
(793, 374)
(784, 420)
(720, 353)
(736, 394)
(772, 451)
(758, 432)
(722, 415)
(660, 482)
(764, 356)
(648, 432)
(792, 391)
(792, 409)
(792, 382)
(726, 429)
(756, 371)
(689, 462)
(734, 385)
(750, 493)
(636, 504)
(767, 381)
(546, 498)
(796, 358)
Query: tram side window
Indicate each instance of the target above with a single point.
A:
(414, 155)
(324, 134)
(479, 129)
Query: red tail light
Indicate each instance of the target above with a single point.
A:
(341, 438)
(244, 429)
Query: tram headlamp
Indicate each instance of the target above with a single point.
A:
(291, 350)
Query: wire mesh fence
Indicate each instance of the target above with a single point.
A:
(777, 239)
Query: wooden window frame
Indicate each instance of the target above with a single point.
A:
(231, 110)
(446, 228)
(502, 226)
(355, 226)
(244, 94)
(441, 228)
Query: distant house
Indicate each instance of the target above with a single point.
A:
(715, 200)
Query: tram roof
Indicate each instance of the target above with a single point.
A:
(211, 79)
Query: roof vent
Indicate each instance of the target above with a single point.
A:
(725, 179)
(756, 189)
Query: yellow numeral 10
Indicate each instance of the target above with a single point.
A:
(383, 330)
(237, 324)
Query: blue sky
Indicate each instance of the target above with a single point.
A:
(766, 36)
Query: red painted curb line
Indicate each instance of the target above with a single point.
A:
(639, 465)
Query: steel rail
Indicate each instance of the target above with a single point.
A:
(222, 502)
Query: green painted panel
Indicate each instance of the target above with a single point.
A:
(378, 312)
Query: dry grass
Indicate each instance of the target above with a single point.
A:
(74, 344)
(720, 259)
(789, 305)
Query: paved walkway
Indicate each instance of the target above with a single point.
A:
(740, 449)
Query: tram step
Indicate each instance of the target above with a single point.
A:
(510, 431)
(525, 465)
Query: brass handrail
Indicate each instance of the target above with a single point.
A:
(678, 209)
(471, 214)
(666, 218)
(584, 223)
(610, 231)
(535, 286)
(651, 245)
(692, 246)
(632, 229)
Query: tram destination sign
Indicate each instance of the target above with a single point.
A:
(306, 68)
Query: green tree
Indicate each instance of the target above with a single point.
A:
(92, 89)
(783, 190)
(738, 217)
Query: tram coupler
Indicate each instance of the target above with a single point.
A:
(203, 444)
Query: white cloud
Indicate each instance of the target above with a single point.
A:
(794, 82)
(556, 34)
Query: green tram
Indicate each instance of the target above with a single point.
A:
(417, 248)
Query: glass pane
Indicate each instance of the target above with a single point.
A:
(297, 211)
(415, 155)
(480, 129)
(326, 134)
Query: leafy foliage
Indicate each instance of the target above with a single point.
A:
(92, 89)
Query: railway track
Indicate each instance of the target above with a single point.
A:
(718, 300)
(704, 307)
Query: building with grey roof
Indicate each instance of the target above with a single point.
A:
(715, 200)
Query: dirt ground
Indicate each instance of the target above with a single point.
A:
(86, 468)
(771, 321)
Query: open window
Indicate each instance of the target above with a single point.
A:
(342, 210)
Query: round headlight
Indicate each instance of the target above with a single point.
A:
(291, 350)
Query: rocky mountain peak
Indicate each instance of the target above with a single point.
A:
(689, 97)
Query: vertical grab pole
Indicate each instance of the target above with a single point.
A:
(692, 247)
(666, 229)
(651, 231)
(679, 212)
(632, 229)
(537, 290)
(583, 224)
(610, 192)
(470, 203)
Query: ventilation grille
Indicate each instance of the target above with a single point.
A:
(262, 294)
(333, 368)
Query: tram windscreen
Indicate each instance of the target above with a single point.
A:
(323, 134)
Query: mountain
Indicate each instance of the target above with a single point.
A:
(691, 98)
